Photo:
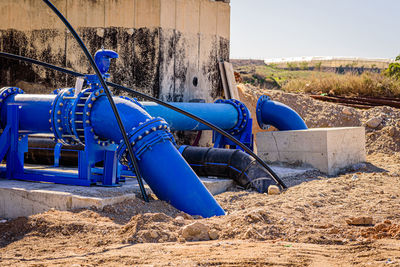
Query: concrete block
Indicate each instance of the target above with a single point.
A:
(21, 198)
(327, 149)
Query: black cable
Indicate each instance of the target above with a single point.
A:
(108, 93)
(150, 98)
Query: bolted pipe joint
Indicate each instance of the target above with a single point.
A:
(5, 92)
(278, 115)
(145, 136)
(243, 112)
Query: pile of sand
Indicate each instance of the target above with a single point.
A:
(383, 137)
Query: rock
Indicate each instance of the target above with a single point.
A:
(273, 190)
(361, 220)
(180, 219)
(391, 131)
(153, 234)
(347, 111)
(213, 234)
(195, 232)
(374, 122)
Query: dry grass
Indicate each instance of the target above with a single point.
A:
(366, 84)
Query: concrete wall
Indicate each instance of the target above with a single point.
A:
(163, 44)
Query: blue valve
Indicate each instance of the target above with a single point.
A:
(102, 59)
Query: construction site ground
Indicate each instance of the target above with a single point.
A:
(351, 219)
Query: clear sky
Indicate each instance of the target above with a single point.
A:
(263, 29)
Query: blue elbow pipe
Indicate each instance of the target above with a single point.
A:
(278, 115)
(162, 166)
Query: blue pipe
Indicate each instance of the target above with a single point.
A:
(223, 115)
(162, 166)
(278, 115)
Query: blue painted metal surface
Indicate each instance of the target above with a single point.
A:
(86, 118)
(224, 115)
(243, 130)
(278, 115)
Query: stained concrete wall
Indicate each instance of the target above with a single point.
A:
(163, 44)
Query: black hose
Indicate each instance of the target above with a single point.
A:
(228, 163)
(108, 93)
(150, 98)
(219, 162)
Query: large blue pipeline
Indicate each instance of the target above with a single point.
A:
(86, 117)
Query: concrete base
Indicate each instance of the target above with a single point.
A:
(22, 198)
(327, 149)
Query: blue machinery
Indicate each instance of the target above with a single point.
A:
(84, 117)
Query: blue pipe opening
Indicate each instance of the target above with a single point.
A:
(278, 115)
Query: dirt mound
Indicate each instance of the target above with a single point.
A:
(151, 228)
(381, 123)
(383, 230)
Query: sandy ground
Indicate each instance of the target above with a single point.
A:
(307, 225)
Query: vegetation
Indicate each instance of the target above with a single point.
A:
(366, 84)
(394, 69)
(312, 79)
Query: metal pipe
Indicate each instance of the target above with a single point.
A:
(163, 167)
(150, 98)
(278, 115)
(223, 115)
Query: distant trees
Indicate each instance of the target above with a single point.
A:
(394, 69)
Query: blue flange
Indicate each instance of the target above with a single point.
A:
(259, 105)
(243, 115)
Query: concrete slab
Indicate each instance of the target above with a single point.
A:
(22, 198)
(284, 172)
(327, 149)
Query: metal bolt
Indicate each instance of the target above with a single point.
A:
(59, 112)
(87, 113)
(160, 127)
(98, 142)
(50, 120)
(96, 94)
(61, 104)
(139, 137)
(92, 130)
(51, 128)
(60, 128)
(165, 126)
(96, 137)
(89, 105)
(9, 90)
(154, 129)
(93, 99)
(101, 91)
(58, 120)
(133, 143)
(50, 111)
(146, 132)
